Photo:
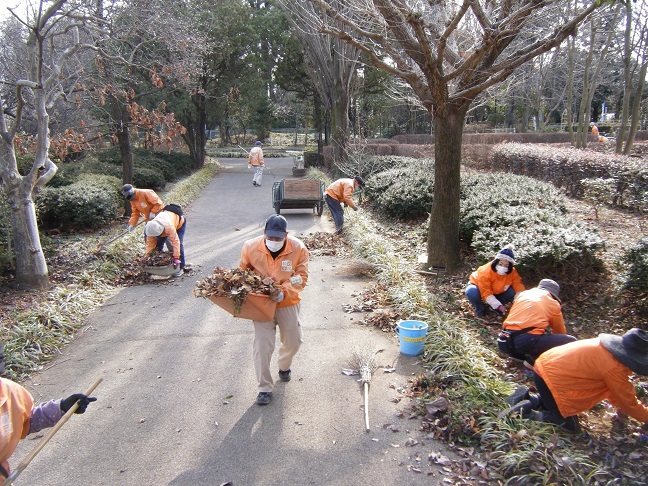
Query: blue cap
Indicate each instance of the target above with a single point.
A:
(276, 226)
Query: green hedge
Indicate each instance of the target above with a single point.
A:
(568, 168)
(496, 209)
(635, 261)
(405, 191)
(90, 202)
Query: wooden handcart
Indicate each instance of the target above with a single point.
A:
(298, 194)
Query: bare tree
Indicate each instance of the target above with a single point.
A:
(635, 58)
(448, 52)
(332, 62)
(52, 44)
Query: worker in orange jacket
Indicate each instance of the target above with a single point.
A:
(572, 378)
(494, 284)
(257, 162)
(535, 323)
(340, 192)
(19, 417)
(284, 258)
(144, 202)
(169, 225)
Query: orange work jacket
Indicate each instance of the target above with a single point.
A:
(145, 202)
(583, 373)
(490, 282)
(15, 410)
(535, 308)
(172, 223)
(342, 190)
(291, 262)
(256, 157)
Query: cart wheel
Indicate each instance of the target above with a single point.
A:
(320, 209)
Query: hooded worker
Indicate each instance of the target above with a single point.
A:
(169, 225)
(341, 192)
(574, 377)
(20, 417)
(144, 202)
(495, 284)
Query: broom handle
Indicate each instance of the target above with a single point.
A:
(366, 407)
(25, 462)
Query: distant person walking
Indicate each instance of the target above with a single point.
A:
(143, 202)
(256, 161)
(340, 192)
(284, 258)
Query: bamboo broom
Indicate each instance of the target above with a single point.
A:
(25, 462)
(364, 360)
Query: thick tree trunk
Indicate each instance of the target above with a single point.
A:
(195, 139)
(31, 267)
(126, 153)
(443, 232)
(340, 127)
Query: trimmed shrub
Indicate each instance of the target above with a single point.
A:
(568, 168)
(313, 159)
(171, 166)
(90, 202)
(497, 209)
(404, 191)
(636, 262)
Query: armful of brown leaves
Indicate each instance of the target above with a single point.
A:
(157, 258)
(235, 284)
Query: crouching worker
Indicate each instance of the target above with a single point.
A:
(572, 378)
(168, 225)
(535, 323)
(494, 284)
(284, 258)
(20, 417)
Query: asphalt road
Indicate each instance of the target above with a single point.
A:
(177, 404)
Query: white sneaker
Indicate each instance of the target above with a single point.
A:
(178, 273)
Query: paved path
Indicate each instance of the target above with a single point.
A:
(177, 404)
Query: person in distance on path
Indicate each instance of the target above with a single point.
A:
(256, 161)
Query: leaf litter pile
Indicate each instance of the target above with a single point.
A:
(235, 284)
(157, 258)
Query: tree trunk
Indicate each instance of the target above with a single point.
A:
(31, 267)
(443, 231)
(636, 109)
(126, 153)
(627, 80)
(340, 127)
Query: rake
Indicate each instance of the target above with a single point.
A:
(364, 360)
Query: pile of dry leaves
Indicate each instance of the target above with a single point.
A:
(235, 284)
(157, 258)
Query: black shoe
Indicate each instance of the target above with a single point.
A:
(523, 406)
(263, 398)
(254, 183)
(284, 375)
(520, 393)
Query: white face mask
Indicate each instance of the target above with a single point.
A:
(501, 270)
(274, 245)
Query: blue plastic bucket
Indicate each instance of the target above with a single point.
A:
(412, 337)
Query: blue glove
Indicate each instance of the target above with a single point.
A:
(277, 297)
(355, 208)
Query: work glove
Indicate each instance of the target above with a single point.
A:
(355, 208)
(277, 296)
(249, 166)
(176, 262)
(130, 228)
(84, 401)
(501, 309)
(151, 215)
